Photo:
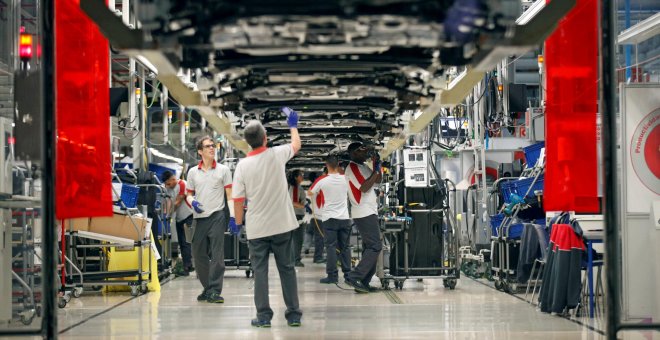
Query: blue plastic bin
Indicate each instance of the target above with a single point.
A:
(129, 195)
(532, 153)
(514, 230)
(522, 185)
(507, 188)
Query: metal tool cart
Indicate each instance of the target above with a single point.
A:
(141, 242)
(163, 230)
(237, 254)
(18, 215)
(507, 226)
(424, 243)
(26, 272)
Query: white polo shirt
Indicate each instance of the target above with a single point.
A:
(260, 178)
(184, 210)
(209, 187)
(318, 200)
(363, 204)
(334, 189)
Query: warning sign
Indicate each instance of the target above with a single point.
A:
(645, 151)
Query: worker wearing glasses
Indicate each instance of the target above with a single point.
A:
(208, 182)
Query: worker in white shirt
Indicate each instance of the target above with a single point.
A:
(176, 188)
(260, 178)
(362, 183)
(314, 229)
(208, 182)
(336, 222)
(298, 199)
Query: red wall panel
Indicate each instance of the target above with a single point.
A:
(571, 55)
(82, 108)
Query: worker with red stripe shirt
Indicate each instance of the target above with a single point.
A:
(364, 211)
(298, 199)
(176, 188)
(336, 222)
(314, 228)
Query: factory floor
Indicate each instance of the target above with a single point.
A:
(422, 310)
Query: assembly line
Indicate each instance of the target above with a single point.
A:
(441, 169)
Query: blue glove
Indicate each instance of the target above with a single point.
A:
(197, 206)
(308, 209)
(291, 117)
(465, 19)
(377, 165)
(234, 228)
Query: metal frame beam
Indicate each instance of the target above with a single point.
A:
(132, 43)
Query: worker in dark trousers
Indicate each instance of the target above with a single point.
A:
(298, 198)
(336, 223)
(176, 188)
(208, 182)
(260, 179)
(314, 228)
(362, 183)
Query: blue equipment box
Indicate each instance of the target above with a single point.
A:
(129, 195)
(532, 153)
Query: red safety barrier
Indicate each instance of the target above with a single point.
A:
(571, 56)
(82, 108)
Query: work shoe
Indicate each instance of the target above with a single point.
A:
(299, 264)
(371, 289)
(214, 298)
(329, 280)
(260, 323)
(180, 272)
(203, 296)
(320, 261)
(294, 323)
(357, 285)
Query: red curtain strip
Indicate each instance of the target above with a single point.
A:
(571, 55)
(82, 108)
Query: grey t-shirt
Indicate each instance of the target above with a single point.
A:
(209, 187)
(260, 179)
(297, 194)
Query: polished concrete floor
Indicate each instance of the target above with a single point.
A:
(422, 310)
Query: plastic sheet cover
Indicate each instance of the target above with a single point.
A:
(82, 108)
(571, 55)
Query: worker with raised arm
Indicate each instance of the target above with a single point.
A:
(260, 178)
(362, 182)
(208, 182)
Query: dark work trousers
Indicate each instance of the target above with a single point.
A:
(370, 232)
(184, 246)
(315, 227)
(282, 246)
(337, 239)
(298, 236)
(208, 251)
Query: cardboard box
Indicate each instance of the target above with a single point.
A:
(120, 226)
(77, 224)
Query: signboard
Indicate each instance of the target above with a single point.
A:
(641, 148)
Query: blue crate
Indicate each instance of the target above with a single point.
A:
(129, 195)
(507, 188)
(522, 185)
(532, 153)
(512, 231)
